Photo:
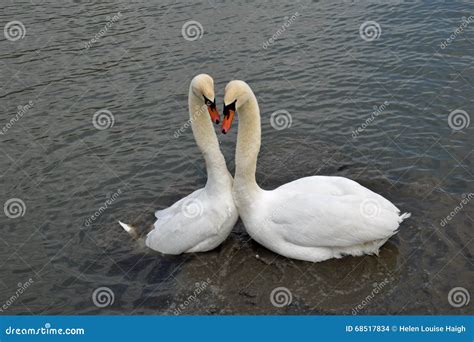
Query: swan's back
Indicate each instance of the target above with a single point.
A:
(335, 186)
(320, 211)
(196, 223)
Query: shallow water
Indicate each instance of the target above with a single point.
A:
(318, 69)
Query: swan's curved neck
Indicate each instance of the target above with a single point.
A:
(206, 140)
(248, 146)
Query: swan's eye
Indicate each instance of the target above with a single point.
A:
(207, 101)
(229, 107)
(212, 109)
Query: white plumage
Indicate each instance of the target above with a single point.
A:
(202, 220)
(312, 218)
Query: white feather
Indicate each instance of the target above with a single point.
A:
(312, 218)
(202, 220)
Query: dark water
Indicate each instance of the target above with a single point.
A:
(318, 68)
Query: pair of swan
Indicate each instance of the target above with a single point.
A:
(313, 218)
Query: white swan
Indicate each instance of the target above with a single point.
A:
(202, 220)
(313, 218)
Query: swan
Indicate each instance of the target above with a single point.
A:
(312, 218)
(202, 220)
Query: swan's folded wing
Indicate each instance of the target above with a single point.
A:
(179, 234)
(186, 224)
(314, 220)
(337, 186)
(176, 207)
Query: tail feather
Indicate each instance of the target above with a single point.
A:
(404, 216)
(132, 231)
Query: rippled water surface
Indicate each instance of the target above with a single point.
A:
(375, 111)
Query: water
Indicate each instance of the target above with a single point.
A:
(319, 69)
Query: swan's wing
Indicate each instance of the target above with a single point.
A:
(185, 224)
(176, 207)
(315, 220)
(338, 186)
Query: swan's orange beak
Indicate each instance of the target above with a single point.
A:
(229, 112)
(212, 109)
(227, 122)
